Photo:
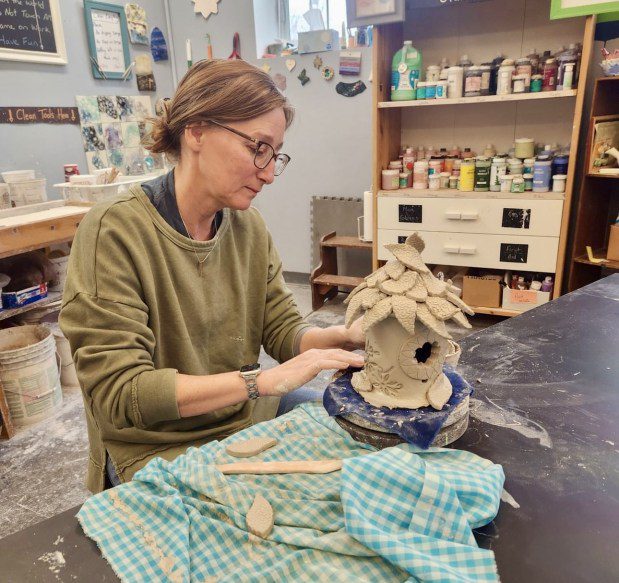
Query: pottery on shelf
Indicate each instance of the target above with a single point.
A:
(404, 311)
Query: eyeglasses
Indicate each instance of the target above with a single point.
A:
(264, 152)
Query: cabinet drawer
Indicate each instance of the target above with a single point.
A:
(475, 250)
(517, 216)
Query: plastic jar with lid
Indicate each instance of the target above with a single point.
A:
(390, 179)
(524, 148)
(472, 82)
(403, 180)
(518, 84)
(528, 181)
(441, 90)
(435, 166)
(498, 169)
(434, 181)
(506, 182)
(515, 166)
(396, 165)
(445, 179)
(559, 164)
(541, 174)
(517, 184)
(482, 174)
(453, 181)
(558, 182)
(420, 175)
(467, 175)
(421, 90)
(549, 81)
(430, 89)
(504, 78)
(455, 82)
(486, 71)
(523, 67)
(433, 73)
(529, 163)
(536, 83)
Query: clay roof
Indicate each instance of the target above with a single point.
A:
(406, 288)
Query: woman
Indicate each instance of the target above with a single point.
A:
(173, 287)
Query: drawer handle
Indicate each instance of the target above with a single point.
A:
(451, 249)
(468, 250)
(472, 216)
(453, 215)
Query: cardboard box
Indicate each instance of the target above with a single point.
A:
(522, 300)
(23, 297)
(483, 291)
(613, 244)
(317, 41)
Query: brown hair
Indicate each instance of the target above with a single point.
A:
(219, 90)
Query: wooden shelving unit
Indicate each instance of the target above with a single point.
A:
(598, 202)
(482, 99)
(451, 31)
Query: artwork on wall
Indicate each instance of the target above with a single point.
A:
(206, 7)
(113, 127)
(144, 73)
(32, 32)
(136, 24)
(158, 46)
(571, 8)
(366, 12)
(106, 26)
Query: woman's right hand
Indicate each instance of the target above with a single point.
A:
(301, 369)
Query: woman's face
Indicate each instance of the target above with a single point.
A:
(225, 161)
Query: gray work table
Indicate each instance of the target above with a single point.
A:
(545, 407)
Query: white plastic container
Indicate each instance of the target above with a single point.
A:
(558, 182)
(504, 78)
(27, 192)
(455, 82)
(17, 175)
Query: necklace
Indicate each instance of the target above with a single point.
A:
(193, 248)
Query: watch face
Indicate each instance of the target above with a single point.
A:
(250, 367)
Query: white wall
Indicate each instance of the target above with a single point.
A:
(46, 147)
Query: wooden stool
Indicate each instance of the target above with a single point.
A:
(325, 280)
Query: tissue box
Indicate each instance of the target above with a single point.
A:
(23, 297)
(317, 41)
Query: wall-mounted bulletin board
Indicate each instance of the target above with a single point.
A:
(571, 8)
(108, 41)
(32, 32)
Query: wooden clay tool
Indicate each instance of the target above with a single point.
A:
(292, 467)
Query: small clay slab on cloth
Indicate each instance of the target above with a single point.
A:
(260, 517)
(250, 447)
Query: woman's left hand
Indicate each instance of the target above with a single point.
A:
(356, 335)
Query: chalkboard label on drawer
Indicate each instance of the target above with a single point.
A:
(409, 213)
(516, 218)
(514, 252)
(402, 238)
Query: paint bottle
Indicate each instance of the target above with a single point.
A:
(506, 182)
(403, 179)
(559, 164)
(528, 165)
(468, 153)
(504, 80)
(454, 152)
(489, 151)
(528, 181)
(434, 181)
(536, 83)
(558, 182)
(390, 179)
(533, 56)
(547, 284)
(405, 72)
(430, 89)
(445, 179)
(455, 82)
(420, 175)
(536, 284)
(515, 166)
(541, 174)
(435, 166)
(498, 169)
(519, 84)
(482, 174)
(524, 67)
(549, 82)
(472, 82)
(568, 57)
(444, 68)
(517, 184)
(441, 90)
(433, 73)
(568, 77)
(453, 182)
(486, 70)
(448, 165)
(408, 160)
(421, 89)
(467, 175)
(457, 166)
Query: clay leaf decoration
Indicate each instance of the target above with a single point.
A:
(395, 269)
(460, 318)
(409, 256)
(454, 299)
(377, 313)
(405, 310)
(419, 293)
(399, 286)
(416, 241)
(441, 308)
(360, 382)
(377, 277)
(260, 517)
(250, 447)
(426, 317)
(206, 7)
(435, 286)
(364, 299)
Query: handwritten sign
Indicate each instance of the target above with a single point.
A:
(106, 27)
(27, 25)
(22, 115)
(410, 213)
(514, 253)
(523, 296)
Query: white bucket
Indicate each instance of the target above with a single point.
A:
(61, 266)
(29, 373)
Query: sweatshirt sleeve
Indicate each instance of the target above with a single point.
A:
(283, 324)
(106, 322)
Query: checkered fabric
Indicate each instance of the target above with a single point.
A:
(399, 514)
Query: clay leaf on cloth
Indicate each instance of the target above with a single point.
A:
(395, 269)
(377, 313)
(260, 517)
(205, 7)
(409, 256)
(250, 447)
(405, 310)
(434, 324)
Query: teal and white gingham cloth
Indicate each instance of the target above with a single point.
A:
(399, 514)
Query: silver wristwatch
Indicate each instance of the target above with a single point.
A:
(250, 372)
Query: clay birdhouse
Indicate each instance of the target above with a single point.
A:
(404, 313)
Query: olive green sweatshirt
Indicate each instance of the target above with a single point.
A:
(136, 310)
